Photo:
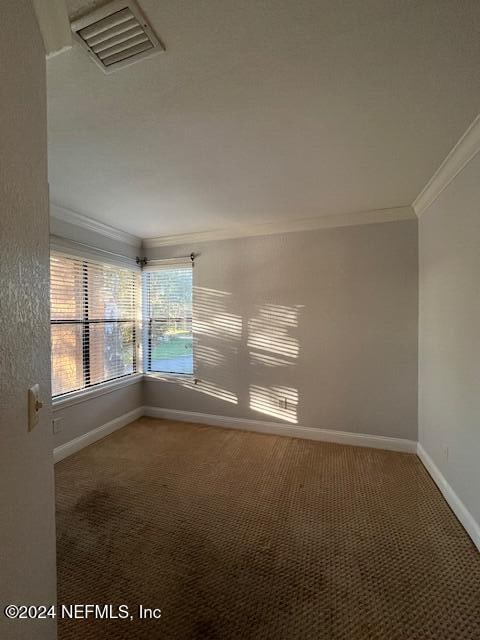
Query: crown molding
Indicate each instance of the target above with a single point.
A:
(285, 226)
(465, 150)
(84, 222)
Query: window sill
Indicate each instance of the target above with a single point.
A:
(169, 377)
(76, 397)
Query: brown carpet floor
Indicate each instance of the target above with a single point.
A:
(239, 535)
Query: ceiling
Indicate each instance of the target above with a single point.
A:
(264, 111)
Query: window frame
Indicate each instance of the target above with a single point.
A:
(89, 389)
(147, 320)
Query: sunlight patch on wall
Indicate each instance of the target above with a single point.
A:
(262, 359)
(277, 402)
(284, 315)
(209, 388)
(211, 317)
(209, 356)
(269, 330)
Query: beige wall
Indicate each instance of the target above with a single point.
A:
(326, 319)
(89, 414)
(27, 535)
(449, 334)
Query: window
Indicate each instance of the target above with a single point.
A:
(167, 317)
(93, 322)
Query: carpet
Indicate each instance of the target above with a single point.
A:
(237, 535)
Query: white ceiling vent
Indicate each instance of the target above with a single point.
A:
(116, 35)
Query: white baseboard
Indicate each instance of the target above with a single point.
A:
(466, 519)
(67, 449)
(282, 429)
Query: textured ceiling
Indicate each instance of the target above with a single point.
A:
(264, 110)
(77, 8)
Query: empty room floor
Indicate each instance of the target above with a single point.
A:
(240, 535)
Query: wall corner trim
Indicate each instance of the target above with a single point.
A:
(79, 220)
(466, 519)
(283, 429)
(465, 150)
(69, 448)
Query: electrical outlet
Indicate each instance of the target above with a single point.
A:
(57, 425)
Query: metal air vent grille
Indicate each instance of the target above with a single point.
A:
(116, 35)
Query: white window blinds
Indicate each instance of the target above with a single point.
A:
(93, 322)
(167, 317)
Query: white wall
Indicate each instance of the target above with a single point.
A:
(27, 531)
(449, 334)
(326, 318)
